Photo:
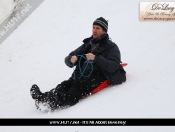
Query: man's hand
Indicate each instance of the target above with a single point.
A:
(73, 59)
(90, 56)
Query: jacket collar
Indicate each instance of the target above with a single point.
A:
(100, 39)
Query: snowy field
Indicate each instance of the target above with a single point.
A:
(5, 10)
(34, 54)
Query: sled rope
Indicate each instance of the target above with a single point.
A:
(80, 69)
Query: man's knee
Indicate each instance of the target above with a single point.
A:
(64, 86)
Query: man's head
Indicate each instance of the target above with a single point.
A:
(100, 27)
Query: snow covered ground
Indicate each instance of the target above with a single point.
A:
(6, 7)
(35, 52)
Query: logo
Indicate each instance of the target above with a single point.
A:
(157, 11)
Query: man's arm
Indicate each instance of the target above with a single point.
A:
(111, 62)
(71, 59)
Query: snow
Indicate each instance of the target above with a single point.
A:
(6, 7)
(34, 54)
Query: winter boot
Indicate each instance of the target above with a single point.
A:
(51, 100)
(48, 102)
(36, 93)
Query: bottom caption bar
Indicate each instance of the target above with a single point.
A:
(87, 122)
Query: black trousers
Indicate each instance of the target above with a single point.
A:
(70, 91)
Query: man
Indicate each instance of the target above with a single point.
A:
(97, 60)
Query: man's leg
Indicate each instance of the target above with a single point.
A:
(44, 97)
(79, 89)
(69, 93)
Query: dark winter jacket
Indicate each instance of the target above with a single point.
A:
(107, 58)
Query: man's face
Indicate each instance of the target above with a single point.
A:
(97, 31)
